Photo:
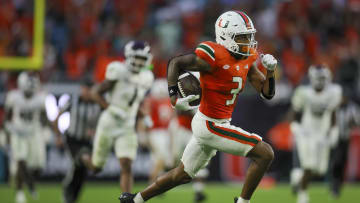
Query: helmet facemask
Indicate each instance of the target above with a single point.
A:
(319, 77)
(244, 43)
(28, 83)
(137, 62)
(137, 55)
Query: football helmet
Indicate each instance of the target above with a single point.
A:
(236, 32)
(137, 54)
(28, 83)
(319, 76)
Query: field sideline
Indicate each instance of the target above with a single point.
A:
(217, 193)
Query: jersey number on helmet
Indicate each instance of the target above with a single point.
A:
(236, 91)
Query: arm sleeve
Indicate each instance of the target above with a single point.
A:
(298, 99)
(337, 92)
(146, 79)
(9, 100)
(206, 52)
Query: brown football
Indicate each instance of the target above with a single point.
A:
(189, 84)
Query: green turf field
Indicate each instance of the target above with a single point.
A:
(217, 193)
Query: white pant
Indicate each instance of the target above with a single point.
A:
(313, 151)
(180, 137)
(113, 131)
(160, 146)
(30, 148)
(211, 135)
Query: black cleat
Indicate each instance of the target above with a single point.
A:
(199, 197)
(127, 197)
(235, 199)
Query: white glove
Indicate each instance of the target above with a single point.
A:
(182, 104)
(268, 61)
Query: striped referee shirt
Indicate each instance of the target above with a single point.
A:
(83, 117)
(347, 116)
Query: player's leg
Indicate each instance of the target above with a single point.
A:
(36, 161)
(199, 185)
(73, 182)
(125, 150)
(19, 148)
(296, 172)
(180, 137)
(233, 140)
(160, 152)
(101, 149)
(126, 177)
(194, 158)
(309, 155)
(261, 156)
(101, 145)
(76, 176)
(337, 167)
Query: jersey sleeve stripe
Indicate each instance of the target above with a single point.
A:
(208, 50)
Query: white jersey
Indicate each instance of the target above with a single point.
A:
(129, 90)
(316, 107)
(26, 112)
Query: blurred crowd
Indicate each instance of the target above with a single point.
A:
(82, 36)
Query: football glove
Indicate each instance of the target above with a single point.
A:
(182, 104)
(268, 61)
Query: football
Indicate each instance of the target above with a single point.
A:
(189, 84)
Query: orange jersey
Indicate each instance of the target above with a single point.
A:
(161, 112)
(221, 86)
(184, 120)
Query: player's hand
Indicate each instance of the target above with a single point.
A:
(268, 61)
(182, 104)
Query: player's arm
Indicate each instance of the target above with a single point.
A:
(296, 111)
(8, 107)
(265, 85)
(188, 62)
(98, 91)
(7, 120)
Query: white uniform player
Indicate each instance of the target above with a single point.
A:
(159, 107)
(312, 141)
(116, 125)
(127, 84)
(25, 109)
(27, 141)
(314, 129)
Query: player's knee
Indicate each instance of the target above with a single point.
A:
(180, 176)
(268, 153)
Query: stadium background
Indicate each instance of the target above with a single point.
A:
(79, 38)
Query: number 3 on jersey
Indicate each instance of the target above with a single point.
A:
(236, 91)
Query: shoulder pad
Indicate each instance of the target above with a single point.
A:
(116, 70)
(206, 51)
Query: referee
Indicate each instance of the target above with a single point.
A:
(83, 117)
(348, 116)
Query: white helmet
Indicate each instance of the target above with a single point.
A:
(319, 76)
(137, 54)
(232, 24)
(28, 83)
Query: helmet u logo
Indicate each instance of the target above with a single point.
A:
(222, 24)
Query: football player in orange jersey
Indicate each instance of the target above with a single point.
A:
(224, 67)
